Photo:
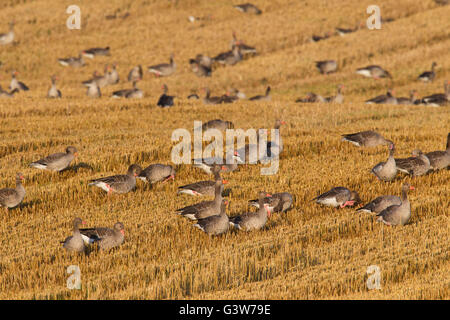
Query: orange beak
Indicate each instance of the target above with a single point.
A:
(268, 195)
(76, 154)
(224, 181)
(411, 188)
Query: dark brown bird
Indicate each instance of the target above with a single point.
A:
(105, 237)
(10, 198)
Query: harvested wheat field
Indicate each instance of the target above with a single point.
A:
(309, 252)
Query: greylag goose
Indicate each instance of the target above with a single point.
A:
(380, 203)
(10, 198)
(105, 237)
(228, 98)
(440, 159)
(75, 242)
(253, 220)
(54, 92)
(265, 97)
(135, 74)
(217, 224)
(165, 100)
(163, 69)
(373, 71)
(101, 80)
(204, 209)
(397, 214)
(311, 98)
(338, 98)
(211, 100)
(387, 98)
(157, 172)
(7, 38)
(202, 188)
(438, 99)
(112, 75)
(428, 76)
(128, 93)
(56, 161)
(278, 202)
(93, 90)
(387, 170)
(16, 84)
(417, 165)
(6, 94)
(408, 101)
(366, 139)
(207, 167)
(316, 38)
(248, 8)
(326, 66)
(73, 61)
(218, 124)
(230, 57)
(92, 52)
(120, 183)
(237, 93)
(338, 197)
(201, 65)
(244, 49)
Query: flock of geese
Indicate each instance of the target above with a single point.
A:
(211, 215)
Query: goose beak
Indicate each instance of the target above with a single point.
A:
(76, 154)
(411, 188)
(224, 181)
(268, 195)
(83, 222)
(122, 232)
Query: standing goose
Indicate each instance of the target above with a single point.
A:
(54, 92)
(387, 98)
(56, 161)
(163, 69)
(217, 224)
(440, 159)
(16, 84)
(408, 101)
(92, 52)
(278, 202)
(265, 97)
(112, 75)
(75, 242)
(397, 214)
(165, 100)
(253, 220)
(229, 57)
(366, 139)
(93, 90)
(386, 171)
(417, 165)
(326, 66)
(438, 99)
(211, 100)
(248, 8)
(73, 61)
(10, 198)
(203, 188)
(338, 98)
(338, 197)
(428, 76)
(157, 172)
(7, 38)
(217, 124)
(380, 203)
(135, 74)
(105, 237)
(119, 183)
(373, 71)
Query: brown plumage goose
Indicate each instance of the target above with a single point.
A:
(6, 94)
(244, 49)
(105, 237)
(408, 101)
(253, 220)
(366, 139)
(54, 92)
(387, 98)
(203, 188)
(75, 242)
(217, 224)
(92, 52)
(112, 75)
(207, 164)
(438, 99)
(326, 66)
(56, 161)
(217, 124)
(397, 214)
(338, 197)
(229, 57)
(93, 90)
(119, 183)
(135, 74)
(75, 62)
(265, 97)
(380, 203)
(278, 202)
(440, 159)
(128, 93)
(163, 69)
(201, 65)
(428, 76)
(7, 38)
(373, 71)
(16, 84)
(338, 98)
(387, 170)
(311, 97)
(248, 8)
(211, 100)
(157, 172)
(10, 198)
(417, 165)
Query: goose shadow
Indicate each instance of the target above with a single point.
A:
(27, 204)
(78, 166)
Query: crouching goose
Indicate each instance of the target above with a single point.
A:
(54, 92)
(211, 100)
(253, 220)
(10, 198)
(278, 202)
(134, 92)
(7, 38)
(248, 8)
(373, 71)
(428, 76)
(217, 124)
(203, 188)
(92, 52)
(119, 183)
(163, 69)
(387, 170)
(105, 237)
(16, 84)
(397, 214)
(387, 98)
(438, 99)
(417, 165)
(366, 139)
(440, 159)
(75, 242)
(408, 101)
(217, 224)
(56, 161)
(157, 172)
(265, 97)
(73, 61)
(311, 97)
(338, 197)
(326, 66)
(165, 100)
(380, 203)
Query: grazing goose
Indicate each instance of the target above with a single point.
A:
(7, 38)
(54, 92)
(279, 202)
(93, 90)
(105, 237)
(225, 167)
(56, 161)
(211, 100)
(417, 165)
(244, 49)
(265, 97)
(338, 98)
(230, 57)
(165, 100)
(75, 242)
(202, 188)
(119, 183)
(204, 209)
(163, 69)
(373, 71)
(218, 124)
(73, 61)
(387, 98)
(397, 214)
(16, 84)
(440, 159)
(92, 52)
(112, 76)
(380, 203)
(135, 74)
(253, 220)
(438, 99)
(428, 76)
(6, 94)
(338, 197)
(217, 224)
(366, 139)
(326, 66)
(10, 198)
(408, 101)
(248, 8)
(387, 170)
(157, 172)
